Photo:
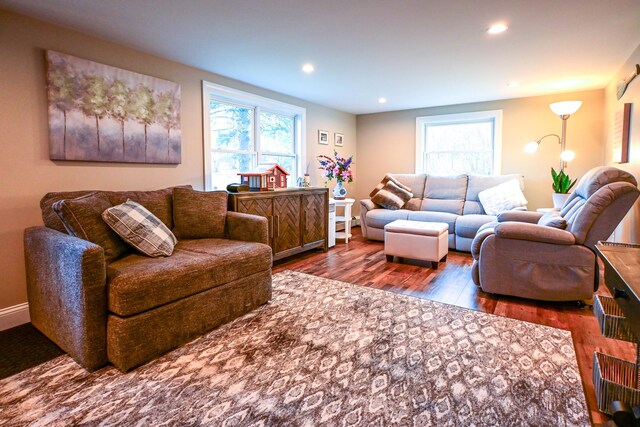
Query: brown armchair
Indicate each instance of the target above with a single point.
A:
(517, 256)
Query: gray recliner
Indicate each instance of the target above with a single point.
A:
(516, 256)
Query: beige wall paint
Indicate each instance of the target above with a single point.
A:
(629, 229)
(333, 122)
(386, 141)
(26, 173)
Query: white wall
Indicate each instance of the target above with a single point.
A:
(629, 229)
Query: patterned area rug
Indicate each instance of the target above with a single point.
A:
(325, 353)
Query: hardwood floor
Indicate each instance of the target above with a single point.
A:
(362, 262)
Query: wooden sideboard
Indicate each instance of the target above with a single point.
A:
(622, 277)
(617, 381)
(298, 217)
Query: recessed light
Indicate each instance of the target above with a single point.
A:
(308, 68)
(382, 100)
(513, 84)
(497, 28)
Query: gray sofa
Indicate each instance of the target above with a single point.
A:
(450, 199)
(517, 256)
(134, 308)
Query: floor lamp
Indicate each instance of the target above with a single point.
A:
(563, 109)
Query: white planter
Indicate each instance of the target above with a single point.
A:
(559, 199)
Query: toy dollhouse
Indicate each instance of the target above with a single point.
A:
(265, 177)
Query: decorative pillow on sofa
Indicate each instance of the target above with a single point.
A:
(82, 217)
(198, 214)
(386, 179)
(553, 219)
(503, 197)
(140, 228)
(391, 196)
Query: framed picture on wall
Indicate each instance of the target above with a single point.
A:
(338, 139)
(323, 137)
(621, 128)
(101, 113)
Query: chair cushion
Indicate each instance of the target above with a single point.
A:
(137, 283)
(445, 187)
(446, 217)
(159, 202)
(82, 217)
(502, 197)
(553, 219)
(140, 228)
(437, 205)
(198, 214)
(468, 225)
(391, 196)
(49, 216)
(444, 194)
(598, 177)
(421, 228)
(378, 218)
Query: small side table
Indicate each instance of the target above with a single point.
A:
(346, 217)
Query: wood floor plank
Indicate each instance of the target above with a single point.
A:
(363, 262)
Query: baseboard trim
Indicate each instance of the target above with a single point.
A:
(355, 222)
(14, 316)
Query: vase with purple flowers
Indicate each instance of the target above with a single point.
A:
(339, 168)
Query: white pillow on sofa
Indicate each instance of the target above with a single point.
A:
(503, 197)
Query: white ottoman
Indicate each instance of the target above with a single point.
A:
(426, 241)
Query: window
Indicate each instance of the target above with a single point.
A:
(242, 130)
(452, 144)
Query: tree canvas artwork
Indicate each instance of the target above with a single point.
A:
(107, 114)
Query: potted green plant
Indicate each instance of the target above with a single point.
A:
(561, 186)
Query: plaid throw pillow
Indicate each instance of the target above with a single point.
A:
(386, 179)
(391, 196)
(140, 228)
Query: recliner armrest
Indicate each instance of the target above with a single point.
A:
(520, 216)
(534, 233)
(66, 286)
(247, 228)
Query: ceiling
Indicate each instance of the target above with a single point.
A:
(415, 53)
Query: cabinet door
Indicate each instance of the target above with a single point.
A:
(286, 213)
(258, 206)
(314, 218)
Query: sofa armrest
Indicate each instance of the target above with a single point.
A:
(534, 233)
(365, 206)
(247, 228)
(66, 287)
(520, 216)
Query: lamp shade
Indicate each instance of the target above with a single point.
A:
(565, 107)
(531, 147)
(567, 155)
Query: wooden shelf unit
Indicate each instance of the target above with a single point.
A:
(298, 217)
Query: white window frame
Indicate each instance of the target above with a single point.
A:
(259, 103)
(494, 116)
